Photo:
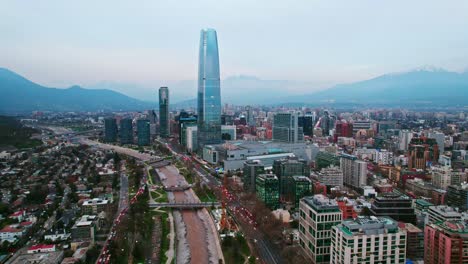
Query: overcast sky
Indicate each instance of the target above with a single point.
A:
(60, 43)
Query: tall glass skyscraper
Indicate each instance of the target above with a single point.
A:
(164, 112)
(209, 92)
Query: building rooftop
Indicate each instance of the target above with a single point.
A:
(455, 226)
(268, 176)
(301, 178)
(320, 201)
(423, 202)
(368, 226)
(445, 210)
(96, 201)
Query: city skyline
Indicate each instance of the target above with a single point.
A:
(358, 44)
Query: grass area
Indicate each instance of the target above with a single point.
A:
(165, 241)
(159, 197)
(235, 249)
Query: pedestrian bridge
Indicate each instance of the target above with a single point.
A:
(185, 205)
(176, 188)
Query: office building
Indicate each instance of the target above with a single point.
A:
(457, 196)
(446, 242)
(267, 190)
(301, 186)
(85, 228)
(95, 206)
(143, 132)
(394, 205)
(249, 117)
(164, 120)
(126, 131)
(331, 176)
(209, 90)
(110, 130)
(286, 128)
(284, 169)
(317, 216)
(251, 170)
(368, 240)
(307, 124)
(442, 213)
(354, 171)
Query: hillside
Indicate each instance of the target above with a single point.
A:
(20, 95)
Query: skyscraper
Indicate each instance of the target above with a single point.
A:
(209, 91)
(143, 132)
(110, 130)
(164, 126)
(286, 128)
(126, 131)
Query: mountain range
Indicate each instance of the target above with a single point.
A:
(19, 95)
(427, 87)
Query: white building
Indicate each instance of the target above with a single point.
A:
(404, 139)
(354, 170)
(331, 176)
(368, 240)
(441, 176)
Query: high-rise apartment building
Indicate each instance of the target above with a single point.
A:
(440, 139)
(422, 152)
(209, 91)
(361, 125)
(164, 121)
(446, 242)
(368, 240)
(354, 171)
(404, 138)
(286, 127)
(251, 170)
(441, 176)
(110, 130)
(267, 190)
(317, 216)
(126, 131)
(143, 132)
(414, 241)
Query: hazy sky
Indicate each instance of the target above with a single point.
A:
(60, 43)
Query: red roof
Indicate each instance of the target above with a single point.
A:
(41, 246)
(17, 213)
(26, 223)
(9, 229)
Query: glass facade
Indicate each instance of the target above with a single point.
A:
(143, 132)
(267, 190)
(110, 130)
(164, 112)
(209, 92)
(126, 131)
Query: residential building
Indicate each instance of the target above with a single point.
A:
(331, 176)
(164, 120)
(209, 91)
(441, 176)
(414, 241)
(422, 152)
(368, 240)
(110, 130)
(317, 215)
(446, 242)
(347, 208)
(95, 206)
(405, 137)
(354, 171)
(143, 132)
(252, 168)
(267, 190)
(440, 139)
